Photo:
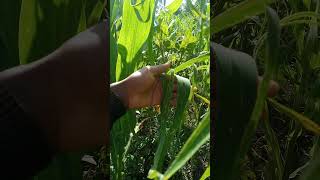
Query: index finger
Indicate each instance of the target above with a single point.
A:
(159, 69)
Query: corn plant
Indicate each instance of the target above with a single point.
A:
(274, 57)
(29, 32)
(146, 142)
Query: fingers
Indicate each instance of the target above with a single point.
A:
(273, 87)
(159, 69)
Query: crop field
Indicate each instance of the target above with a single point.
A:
(257, 136)
(162, 142)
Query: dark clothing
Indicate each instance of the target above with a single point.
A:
(117, 108)
(24, 149)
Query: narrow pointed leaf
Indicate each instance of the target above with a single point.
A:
(237, 14)
(38, 32)
(174, 6)
(136, 25)
(9, 25)
(206, 174)
(190, 62)
(198, 137)
(168, 126)
(306, 122)
(272, 64)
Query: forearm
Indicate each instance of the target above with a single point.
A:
(59, 101)
(118, 101)
(66, 96)
(31, 87)
(21, 140)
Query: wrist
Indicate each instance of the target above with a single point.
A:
(121, 91)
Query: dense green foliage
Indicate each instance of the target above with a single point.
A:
(162, 142)
(284, 143)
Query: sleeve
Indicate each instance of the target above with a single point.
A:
(117, 108)
(24, 150)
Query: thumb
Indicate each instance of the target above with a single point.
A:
(159, 69)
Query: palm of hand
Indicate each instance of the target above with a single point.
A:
(145, 88)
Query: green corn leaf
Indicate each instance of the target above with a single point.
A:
(195, 10)
(174, 6)
(9, 25)
(311, 44)
(203, 67)
(275, 152)
(113, 56)
(136, 25)
(237, 14)
(183, 92)
(294, 19)
(198, 137)
(273, 45)
(83, 19)
(187, 64)
(96, 12)
(236, 92)
(299, 16)
(150, 39)
(165, 122)
(272, 53)
(307, 3)
(121, 134)
(202, 98)
(313, 170)
(306, 122)
(153, 174)
(297, 22)
(206, 174)
(38, 35)
(114, 8)
(170, 126)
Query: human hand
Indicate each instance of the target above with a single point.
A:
(272, 91)
(143, 88)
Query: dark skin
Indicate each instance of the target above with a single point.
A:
(143, 87)
(66, 91)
